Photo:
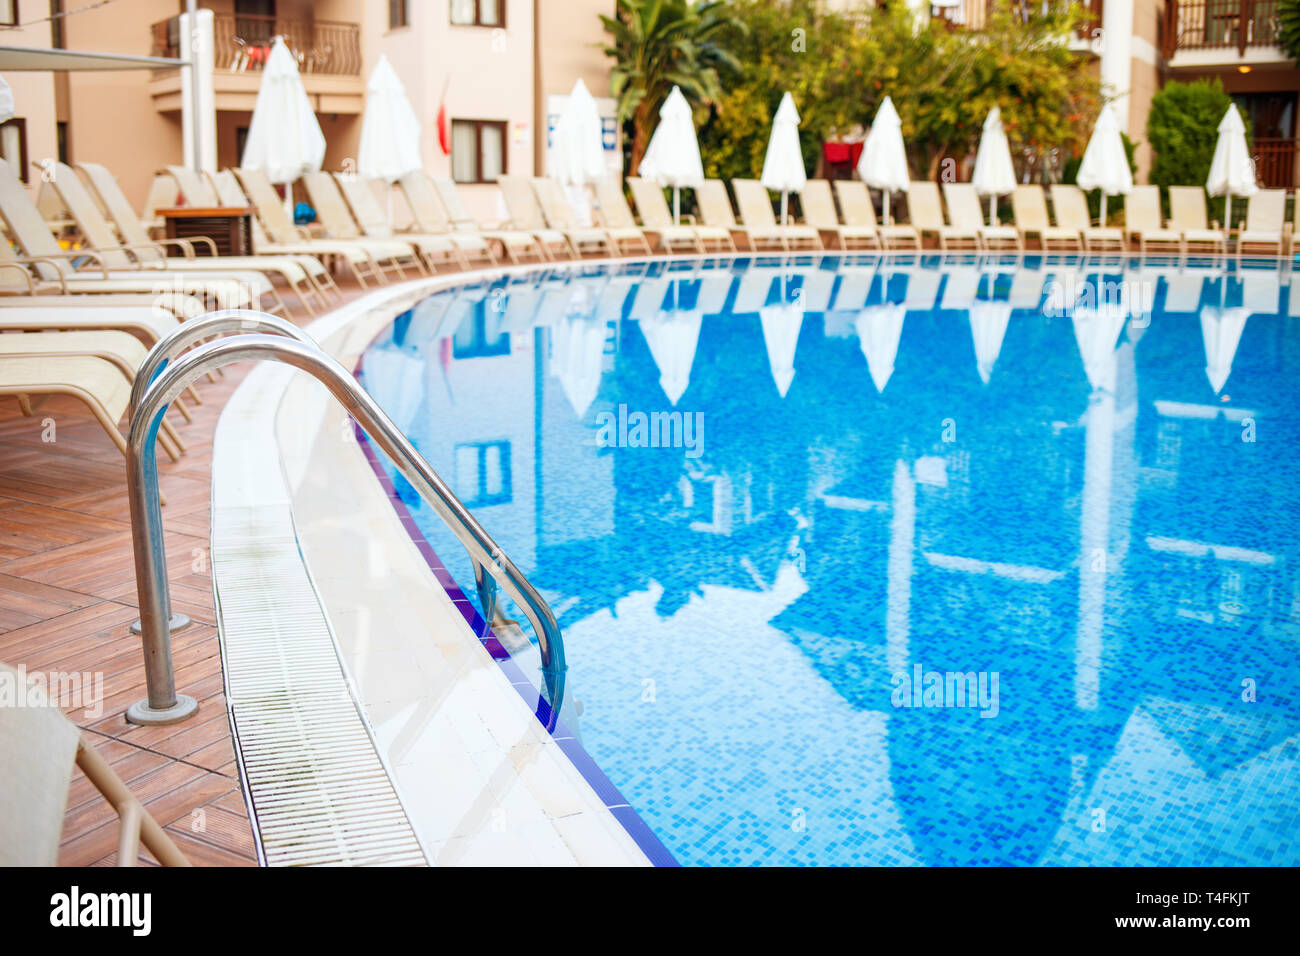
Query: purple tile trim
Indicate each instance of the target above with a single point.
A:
(640, 832)
(645, 838)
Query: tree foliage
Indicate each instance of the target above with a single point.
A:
(1288, 19)
(659, 44)
(840, 64)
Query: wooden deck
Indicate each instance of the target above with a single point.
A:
(67, 600)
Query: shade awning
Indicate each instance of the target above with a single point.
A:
(18, 58)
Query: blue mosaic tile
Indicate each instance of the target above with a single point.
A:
(1095, 503)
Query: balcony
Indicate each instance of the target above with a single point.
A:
(1275, 163)
(1207, 33)
(975, 14)
(241, 43)
(328, 54)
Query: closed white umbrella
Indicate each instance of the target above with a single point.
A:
(988, 327)
(673, 337)
(577, 359)
(577, 154)
(1105, 163)
(1096, 330)
(671, 333)
(883, 164)
(783, 165)
(879, 328)
(1232, 171)
(390, 131)
(994, 174)
(284, 137)
(673, 157)
(781, 324)
(6, 101)
(1221, 332)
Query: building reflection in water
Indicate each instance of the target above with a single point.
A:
(1077, 475)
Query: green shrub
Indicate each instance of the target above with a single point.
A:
(1182, 128)
(1288, 16)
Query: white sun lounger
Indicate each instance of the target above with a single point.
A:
(303, 273)
(657, 220)
(857, 210)
(430, 217)
(38, 748)
(54, 265)
(98, 235)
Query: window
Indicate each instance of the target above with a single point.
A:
(483, 474)
(399, 14)
(13, 145)
(8, 13)
(478, 150)
(473, 338)
(478, 13)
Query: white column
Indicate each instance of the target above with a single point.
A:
(197, 48)
(1117, 55)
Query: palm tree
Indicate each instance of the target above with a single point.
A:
(659, 44)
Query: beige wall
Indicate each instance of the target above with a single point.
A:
(487, 73)
(35, 100)
(111, 115)
(571, 41)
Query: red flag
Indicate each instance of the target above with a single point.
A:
(444, 133)
(444, 137)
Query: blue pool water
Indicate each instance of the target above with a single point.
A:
(1074, 482)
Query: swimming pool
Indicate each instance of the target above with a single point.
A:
(897, 560)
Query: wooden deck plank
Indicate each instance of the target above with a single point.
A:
(68, 597)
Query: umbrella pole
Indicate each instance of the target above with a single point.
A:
(784, 198)
(1103, 208)
(677, 199)
(1227, 216)
(993, 214)
(888, 194)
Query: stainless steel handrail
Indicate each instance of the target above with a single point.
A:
(163, 705)
(173, 344)
(200, 329)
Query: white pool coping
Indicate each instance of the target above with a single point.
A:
(471, 777)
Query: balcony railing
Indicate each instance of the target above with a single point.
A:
(975, 14)
(1275, 163)
(241, 43)
(1225, 25)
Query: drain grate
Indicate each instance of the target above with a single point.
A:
(318, 790)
